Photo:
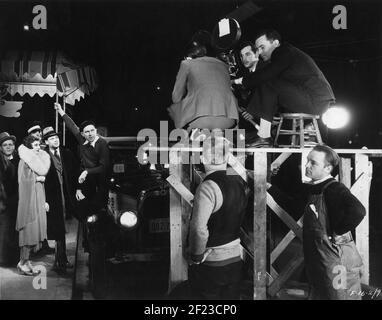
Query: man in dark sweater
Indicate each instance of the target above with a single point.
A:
(331, 213)
(291, 80)
(95, 164)
(218, 211)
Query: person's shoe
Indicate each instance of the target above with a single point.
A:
(24, 270)
(32, 269)
(259, 142)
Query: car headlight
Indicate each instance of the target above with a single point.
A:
(128, 219)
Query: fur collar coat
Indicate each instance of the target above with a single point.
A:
(33, 165)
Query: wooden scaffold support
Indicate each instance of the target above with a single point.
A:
(267, 280)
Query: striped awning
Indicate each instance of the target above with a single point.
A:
(45, 72)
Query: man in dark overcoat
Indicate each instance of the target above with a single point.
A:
(9, 162)
(60, 194)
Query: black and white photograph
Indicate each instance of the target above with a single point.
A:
(190, 154)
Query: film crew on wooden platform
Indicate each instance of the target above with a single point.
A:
(218, 210)
(290, 80)
(332, 263)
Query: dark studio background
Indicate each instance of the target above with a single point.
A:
(136, 48)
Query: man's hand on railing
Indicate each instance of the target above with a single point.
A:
(59, 109)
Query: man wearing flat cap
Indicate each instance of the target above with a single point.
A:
(92, 191)
(60, 184)
(8, 147)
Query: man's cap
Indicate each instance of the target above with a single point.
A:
(49, 132)
(4, 136)
(85, 124)
(34, 126)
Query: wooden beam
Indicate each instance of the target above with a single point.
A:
(345, 172)
(284, 216)
(274, 275)
(361, 191)
(247, 242)
(236, 167)
(260, 226)
(280, 160)
(370, 152)
(179, 222)
(284, 243)
(287, 272)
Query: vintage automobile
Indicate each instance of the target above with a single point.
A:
(135, 227)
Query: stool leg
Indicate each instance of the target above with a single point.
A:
(294, 127)
(317, 129)
(278, 130)
(302, 130)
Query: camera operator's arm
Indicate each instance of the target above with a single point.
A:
(180, 83)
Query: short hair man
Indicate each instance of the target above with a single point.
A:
(218, 211)
(331, 214)
(60, 185)
(290, 79)
(7, 145)
(249, 55)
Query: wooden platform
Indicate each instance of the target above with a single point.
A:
(355, 173)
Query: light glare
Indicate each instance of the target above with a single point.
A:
(128, 219)
(336, 117)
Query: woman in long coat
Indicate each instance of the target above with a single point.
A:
(31, 214)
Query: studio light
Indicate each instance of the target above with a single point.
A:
(336, 117)
(128, 219)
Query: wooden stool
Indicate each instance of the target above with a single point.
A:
(300, 136)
